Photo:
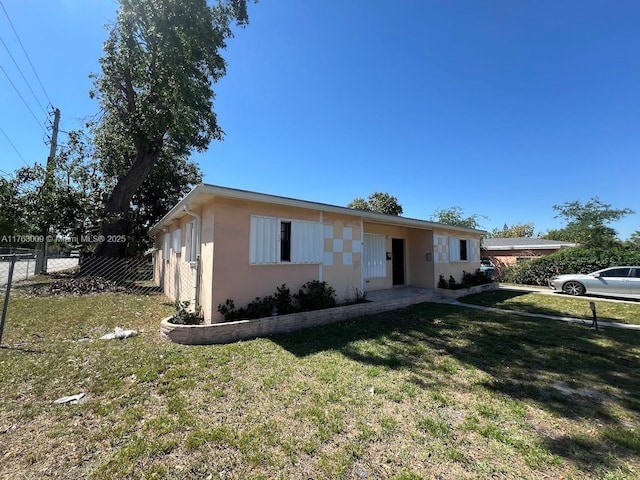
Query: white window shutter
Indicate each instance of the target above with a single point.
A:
(454, 249)
(176, 241)
(474, 250)
(166, 242)
(263, 242)
(188, 242)
(306, 242)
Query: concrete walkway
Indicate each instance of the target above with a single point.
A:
(601, 323)
(429, 295)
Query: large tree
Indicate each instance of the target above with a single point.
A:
(155, 91)
(170, 179)
(378, 202)
(587, 224)
(455, 216)
(518, 230)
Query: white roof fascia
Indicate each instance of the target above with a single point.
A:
(206, 190)
(531, 247)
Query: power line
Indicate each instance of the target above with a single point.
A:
(14, 147)
(25, 52)
(23, 100)
(22, 75)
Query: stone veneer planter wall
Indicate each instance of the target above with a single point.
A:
(227, 332)
(461, 292)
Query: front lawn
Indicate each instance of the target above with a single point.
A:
(558, 305)
(433, 391)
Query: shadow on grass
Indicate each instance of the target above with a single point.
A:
(491, 298)
(500, 298)
(526, 358)
(19, 348)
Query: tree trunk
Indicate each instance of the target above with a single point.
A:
(117, 224)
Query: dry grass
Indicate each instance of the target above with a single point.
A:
(434, 391)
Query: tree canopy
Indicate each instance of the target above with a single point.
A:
(155, 91)
(12, 221)
(66, 198)
(377, 202)
(514, 231)
(588, 223)
(634, 240)
(455, 216)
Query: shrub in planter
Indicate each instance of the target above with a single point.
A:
(283, 301)
(280, 303)
(316, 295)
(477, 278)
(313, 295)
(468, 280)
(184, 316)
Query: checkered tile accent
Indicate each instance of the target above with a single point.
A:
(339, 245)
(441, 249)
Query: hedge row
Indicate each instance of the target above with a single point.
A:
(572, 260)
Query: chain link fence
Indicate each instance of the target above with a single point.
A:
(75, 276)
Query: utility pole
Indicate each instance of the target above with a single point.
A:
(41, 249)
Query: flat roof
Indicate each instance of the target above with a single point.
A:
(524, 243)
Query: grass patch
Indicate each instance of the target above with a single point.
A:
(431, 391)
(558, 305)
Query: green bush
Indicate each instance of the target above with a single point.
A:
(316, 295)
(313, 295)
(572, 260)
(184, 316)
(468, 280)
(283, 300)
(228, 310)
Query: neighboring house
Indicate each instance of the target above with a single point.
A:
(508, 251)
(249, 243)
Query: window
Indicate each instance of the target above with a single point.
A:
(285, 241)
(166, 241)
(190, 239)
(463, 251)
(615, 272)
(374, 264)
(273, 240)
(176, 241)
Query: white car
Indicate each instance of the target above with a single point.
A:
(614, 282)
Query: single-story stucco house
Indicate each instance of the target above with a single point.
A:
(221, 243)
(508, 251)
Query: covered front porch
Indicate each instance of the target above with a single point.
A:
(403, 293)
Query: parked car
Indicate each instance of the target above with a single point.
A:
(614, 281)
(487, 267)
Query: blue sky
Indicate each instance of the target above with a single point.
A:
(503, 108)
